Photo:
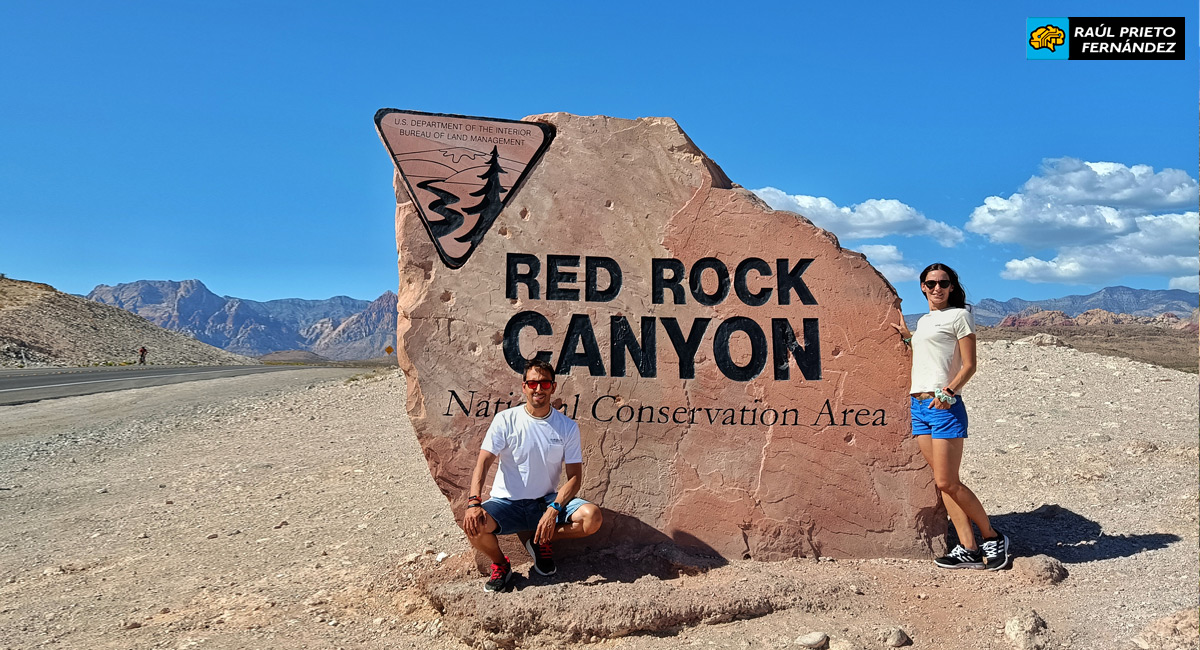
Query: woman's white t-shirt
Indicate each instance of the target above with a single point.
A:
(935, 348)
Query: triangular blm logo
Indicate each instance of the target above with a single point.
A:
(460, 171)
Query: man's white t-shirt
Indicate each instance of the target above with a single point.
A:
(532, 452)
(935, 348)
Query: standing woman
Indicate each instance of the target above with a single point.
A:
(943, 350)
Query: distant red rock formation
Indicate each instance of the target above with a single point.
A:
(1037, 318)
(1100, 317)
(1044, 318)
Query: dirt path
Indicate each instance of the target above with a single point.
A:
(289, 511)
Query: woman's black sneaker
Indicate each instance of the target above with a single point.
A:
(543, 557)
(501, 575)
(961, 558)
(995, 552)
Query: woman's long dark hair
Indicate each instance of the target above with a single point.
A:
(958, 295)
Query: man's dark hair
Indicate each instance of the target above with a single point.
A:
(540, 365)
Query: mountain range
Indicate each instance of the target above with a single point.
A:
(1118, 300)
(1146, 303)
(42, 327)
(338, 328)
(342, 328)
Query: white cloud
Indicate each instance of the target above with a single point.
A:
(1166, 234)
(1074, 203)
(1160, 245)
(870, 219)
(1100, 219)
(1070, 180)
(887, 260)
(1187, 283)
(1036, 223)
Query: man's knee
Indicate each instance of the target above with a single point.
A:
(488, 527)
(588, 516)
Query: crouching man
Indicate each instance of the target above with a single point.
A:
(534, 443)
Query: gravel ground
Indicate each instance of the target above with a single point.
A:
(295, 509)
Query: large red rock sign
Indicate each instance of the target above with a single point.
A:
(736, 381)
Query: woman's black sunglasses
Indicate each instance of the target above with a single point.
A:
(929, 284)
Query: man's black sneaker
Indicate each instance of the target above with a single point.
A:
(543, 557)
(501, 575)
(961, 558)
(995, 552)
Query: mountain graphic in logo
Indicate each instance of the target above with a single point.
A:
(460, 171)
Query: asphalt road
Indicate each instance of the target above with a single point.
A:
(18, 386)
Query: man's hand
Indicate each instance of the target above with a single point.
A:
(545, 528)
(474, 520)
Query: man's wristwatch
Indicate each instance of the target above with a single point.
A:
(557, 506)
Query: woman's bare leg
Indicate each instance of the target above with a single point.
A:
(944, 456)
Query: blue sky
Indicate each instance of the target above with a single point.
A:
(234, 143)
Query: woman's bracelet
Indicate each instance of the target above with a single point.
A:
(942, 396)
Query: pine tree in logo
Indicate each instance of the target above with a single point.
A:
(490, 204)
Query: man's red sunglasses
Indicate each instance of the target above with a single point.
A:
(534, 385)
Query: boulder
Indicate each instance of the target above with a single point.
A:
(737, 383)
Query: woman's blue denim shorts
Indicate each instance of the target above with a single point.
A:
(939, 423)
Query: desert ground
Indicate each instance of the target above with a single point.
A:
(295, 510)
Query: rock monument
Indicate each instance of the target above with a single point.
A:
(737, 385)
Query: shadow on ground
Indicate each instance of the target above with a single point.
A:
(630, 550)
(1070, 537)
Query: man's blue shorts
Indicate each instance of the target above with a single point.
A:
(520, 515)
(939, 423)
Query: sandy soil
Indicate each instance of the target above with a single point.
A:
(295, 509)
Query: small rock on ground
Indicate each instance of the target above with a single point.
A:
(895, 638)
(812, 640)
(1040, 569)
(1026, 631)
(1179, 631)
